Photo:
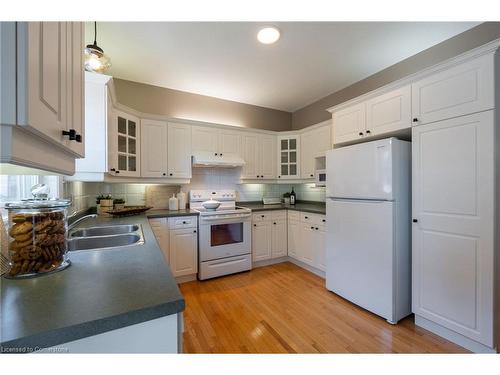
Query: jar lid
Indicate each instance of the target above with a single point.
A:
(40, 199)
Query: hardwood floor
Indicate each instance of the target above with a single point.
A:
(285, 309)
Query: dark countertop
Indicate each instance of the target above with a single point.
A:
(101, 291)
(304, 206)
(151, 214)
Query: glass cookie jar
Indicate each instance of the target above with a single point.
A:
(37, 234)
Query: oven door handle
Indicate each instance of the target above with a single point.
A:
(242, 216)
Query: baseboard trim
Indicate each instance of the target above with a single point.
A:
(307, 267)
(452, 336)
(269, 262)
(186, 278)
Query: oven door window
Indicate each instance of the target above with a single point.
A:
(226, 234)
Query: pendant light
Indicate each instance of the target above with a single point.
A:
(95, 59)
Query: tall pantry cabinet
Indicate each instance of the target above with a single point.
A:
(454, 170)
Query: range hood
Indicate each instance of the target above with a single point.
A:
(212, 159)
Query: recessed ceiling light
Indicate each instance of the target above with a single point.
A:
(268, 35)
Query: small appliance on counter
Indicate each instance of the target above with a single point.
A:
(271, 200)
(37, 231)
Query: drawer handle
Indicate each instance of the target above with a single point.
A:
(184, 222)
(415, 220)
(415, 119)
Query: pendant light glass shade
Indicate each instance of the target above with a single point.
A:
(95, 59)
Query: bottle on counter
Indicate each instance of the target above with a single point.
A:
(173, 203)
(293, 197)
(181, 196)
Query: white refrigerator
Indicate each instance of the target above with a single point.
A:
(368, 200)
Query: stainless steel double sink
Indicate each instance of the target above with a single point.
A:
(102, 237)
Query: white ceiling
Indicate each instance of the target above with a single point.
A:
(224, 60)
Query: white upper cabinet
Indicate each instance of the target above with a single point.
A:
(218, 141)
(50, 82)
(267, 156)
(154, 143)
(259, 153)
(179, 150)
(205, 139)
(455, 91)
(288, 157)
(250, 153)
(453, 228)
(229, 142)
(124, 145)
(389, 112)
(313, 143)
(349, 124)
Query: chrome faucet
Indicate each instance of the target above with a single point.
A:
(73, 224)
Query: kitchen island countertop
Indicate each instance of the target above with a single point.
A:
(102, 290)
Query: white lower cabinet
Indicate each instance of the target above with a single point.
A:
(306, 238)
(184, 251)
(261, 241)
(178, 240)
(453, 225)
(269, 235)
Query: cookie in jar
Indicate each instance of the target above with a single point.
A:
(37, 235)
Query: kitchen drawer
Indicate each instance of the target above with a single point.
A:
(182, 222)
(313, 219)
(294, 215)
(278, 215)
(261, 216)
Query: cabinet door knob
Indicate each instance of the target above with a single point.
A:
(78, 138)
(220, 154)
(164, 174)
(415, 220)
(361, 133)
(184, 222)
(317, 228)
(312, 175)
(323, 220)
(194, 231)
(262, 215)
(279, 176)
(216, 154)
(312, 227)
(117, 172)
(306, 217)
(112, 169)
(255, 225)
(368, 132)
(415, 119)
(257, 176)
(274, 223)
(170, 174)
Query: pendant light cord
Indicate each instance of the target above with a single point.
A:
(95, 32)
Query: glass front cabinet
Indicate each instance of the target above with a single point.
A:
(124, 145)
(288, 157)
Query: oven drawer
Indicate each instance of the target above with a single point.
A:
(182, 222)
(226, 266)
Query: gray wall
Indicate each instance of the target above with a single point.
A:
(181, 104)
(475, 37)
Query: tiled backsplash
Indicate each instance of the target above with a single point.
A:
(219, 178)
(84, 193)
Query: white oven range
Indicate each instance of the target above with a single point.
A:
(225, 234)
